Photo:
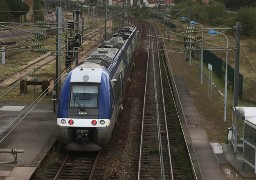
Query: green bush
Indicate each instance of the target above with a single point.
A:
(216, 11)
(38, 15)
(38, 12)
(230, 21)
(4, 16)
(247, 17)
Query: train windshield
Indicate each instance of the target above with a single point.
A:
(84, 96)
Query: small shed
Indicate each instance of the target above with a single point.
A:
(244, 133)
(249, 142)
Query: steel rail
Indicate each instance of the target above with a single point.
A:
(154, 117)
(157, 110)
(94, 166)
(165, 116)
(143, 118)
(61, 167)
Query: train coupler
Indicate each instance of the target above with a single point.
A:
(82, 135)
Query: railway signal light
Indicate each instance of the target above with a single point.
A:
(71, 42)
(71, 25)
(70, 51)
(78, 38)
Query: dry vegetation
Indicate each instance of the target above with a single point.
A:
(212, 109)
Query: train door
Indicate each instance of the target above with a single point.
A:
(115, 87)
(121, 87)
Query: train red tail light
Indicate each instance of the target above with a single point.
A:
(70, 122)
(94, 122)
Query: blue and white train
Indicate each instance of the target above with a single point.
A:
(92, 93)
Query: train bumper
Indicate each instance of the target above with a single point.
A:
(83, 147)
(89, 139)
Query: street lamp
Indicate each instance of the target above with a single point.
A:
(183, 18)
(213, 32)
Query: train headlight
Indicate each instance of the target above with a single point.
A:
(94, 122)
(70, 122)
(102, 122)
(63, 121)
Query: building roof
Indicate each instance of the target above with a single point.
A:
(245, 112)
(251, 121)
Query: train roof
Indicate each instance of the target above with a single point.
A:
(88, 72)
(108, 53)
(113, 42)
(128, 28)
(104, 55)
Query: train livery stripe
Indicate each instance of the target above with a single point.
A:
(64, 98)
(83, 122)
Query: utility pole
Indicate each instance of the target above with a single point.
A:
(106, 14)
(57, 83)
(82, 33)
(123, 14)
(76, 19)
(76, 14)
(237, 54)
(3, 55)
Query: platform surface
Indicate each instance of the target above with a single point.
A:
(20, 130)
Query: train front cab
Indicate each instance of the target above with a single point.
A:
(85, 112)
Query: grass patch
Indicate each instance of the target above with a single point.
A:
(33, 93)
(16, 58)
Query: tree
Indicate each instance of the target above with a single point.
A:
(38, 12)
(247, 17)
(237, 4)
(4, 12)
(216, 12)
(17, 7)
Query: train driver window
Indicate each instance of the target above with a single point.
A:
(83, 96)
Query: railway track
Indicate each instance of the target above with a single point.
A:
(162, 154)
(31, 67)
(78, 165)
(43, 60)
(160, 147)
(154, 157)
(73, 166)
